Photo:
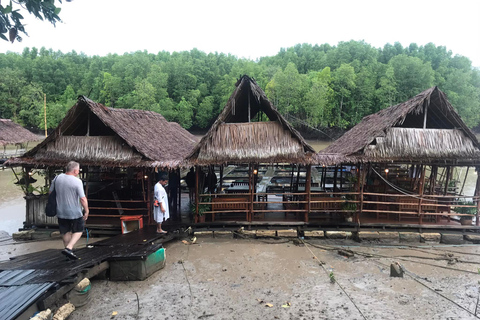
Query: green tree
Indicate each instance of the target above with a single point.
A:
(344, 84)
(205, 112)
(184, 113)
(111, 90)
(144, 95)
(11, 84)
(319, 99)
(387, 89)
(412, 75)
(287, 89)
(31, 105)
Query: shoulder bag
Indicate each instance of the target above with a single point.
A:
(51, 208)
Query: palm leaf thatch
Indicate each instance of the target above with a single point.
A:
(412, 143)
(234, 138)
(13, 133)
(95, 135)
(424, 128)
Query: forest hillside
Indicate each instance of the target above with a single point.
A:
(315, 86)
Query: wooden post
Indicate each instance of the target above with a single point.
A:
(433, 179)
(149, 195)
(298, 178)
(88, 124)
(358, 188)
(362, 181)
(291, 177)
(250, 190)
(464, 180)
(308, 191)
(425, 108)
(335, 179)
(420, 193)
(221, 178)
(249, 105)
(447, 180)
(179, 195)
(324, 176)
(341, 177)
(477, 194)
(86, 182)
(26, 177)
(197, 177)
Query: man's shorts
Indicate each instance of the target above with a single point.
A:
(71, 225)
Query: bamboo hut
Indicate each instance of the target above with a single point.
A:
(407, 159)
(119, 150)
(263, 163)
(14, 134)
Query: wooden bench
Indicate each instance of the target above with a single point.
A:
(408, 204)
(325, 203)
(230, 204)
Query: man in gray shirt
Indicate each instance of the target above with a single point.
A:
(70, 195)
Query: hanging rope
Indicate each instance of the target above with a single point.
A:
(409, 193)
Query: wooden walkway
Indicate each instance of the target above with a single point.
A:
(48, 274)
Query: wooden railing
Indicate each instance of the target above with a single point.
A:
(395, 206)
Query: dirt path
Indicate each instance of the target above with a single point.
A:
(236, 279)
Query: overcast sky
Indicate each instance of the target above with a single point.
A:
(252, 29)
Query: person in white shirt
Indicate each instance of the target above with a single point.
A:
(160, 205)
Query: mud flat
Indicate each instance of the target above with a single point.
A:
(220, 278)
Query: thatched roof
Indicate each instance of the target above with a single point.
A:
(187, 135)
(95, 135)
(397, 133)
(234, 138)
(13, 133)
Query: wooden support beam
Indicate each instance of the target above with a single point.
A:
(363, 176)
(307, 190)
(477, 194)
(447, 180)
(251, 189)
(197, 178)
(151, 176)
(421, 191)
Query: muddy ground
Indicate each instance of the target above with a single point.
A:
(225, 278)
